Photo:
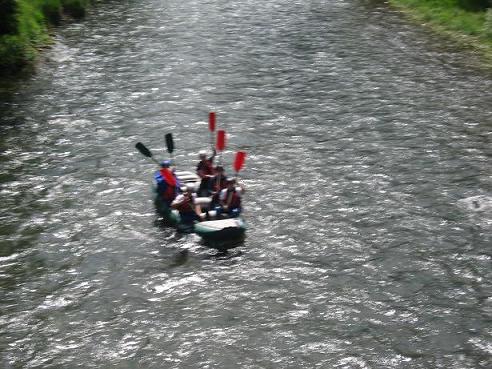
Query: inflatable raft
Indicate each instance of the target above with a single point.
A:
(213, 232)
(220, 233)
(221, 229)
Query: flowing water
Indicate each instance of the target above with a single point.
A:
(368, 177)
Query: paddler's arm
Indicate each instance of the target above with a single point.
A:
(178, 201)
(198, 208)
(241, 187)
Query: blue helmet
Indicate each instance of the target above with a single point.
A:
(166, 163)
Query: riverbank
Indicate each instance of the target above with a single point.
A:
(25, 25)
(468, 25)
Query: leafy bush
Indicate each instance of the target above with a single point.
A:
(24, 27)
(75, 8)
(52, 10)
(8, 22)
(474, 5)
(14, 53)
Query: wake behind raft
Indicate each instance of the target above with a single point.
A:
(216, 228)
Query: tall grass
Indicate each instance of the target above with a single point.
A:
(469, 22)
(464, 17)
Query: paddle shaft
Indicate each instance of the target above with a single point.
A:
(211, 127)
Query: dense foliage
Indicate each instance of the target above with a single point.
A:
(8, 22)
(24, 27)
(475, 5)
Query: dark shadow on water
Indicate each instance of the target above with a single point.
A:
(224, 246)
(182, 257)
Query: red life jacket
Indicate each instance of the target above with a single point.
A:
(168, 177)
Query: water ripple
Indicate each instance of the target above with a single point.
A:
(368, 192)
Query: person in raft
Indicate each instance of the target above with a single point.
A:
(185, 204)
(230, 198)
(205, 171)
(218, 183)
(167, 183)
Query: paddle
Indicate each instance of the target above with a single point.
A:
(221, 140)
(144, 151)
(221, 143)
(170, 145)
(239, 161)
(237, 165)
(211, 126)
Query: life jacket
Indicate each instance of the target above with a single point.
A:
(186, 206)
(218, 185)
(170, 181)
(206, 167)
(168, 176)
(215, 200)
(232, 199)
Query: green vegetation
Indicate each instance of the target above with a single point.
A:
(24, 28)
(467, 21)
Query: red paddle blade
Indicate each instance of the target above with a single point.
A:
(221, 140)
(239, 160)
(211, 121)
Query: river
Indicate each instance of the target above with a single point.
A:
(368, 178)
